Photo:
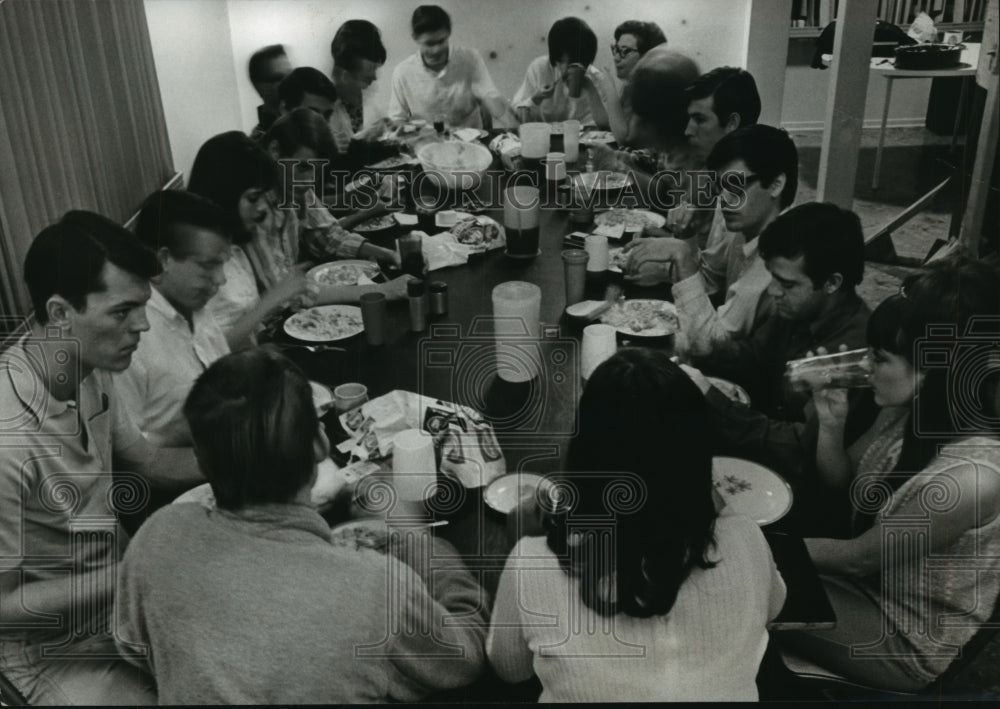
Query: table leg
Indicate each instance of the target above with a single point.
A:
(958, 112)
(881, 134)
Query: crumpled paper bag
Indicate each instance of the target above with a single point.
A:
(464, 441)
(471, 235)
(923, 29)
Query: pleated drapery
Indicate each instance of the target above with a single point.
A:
(81, 121)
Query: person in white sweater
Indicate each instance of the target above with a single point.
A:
(638, 590)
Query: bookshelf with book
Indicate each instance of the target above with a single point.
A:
(809, 17)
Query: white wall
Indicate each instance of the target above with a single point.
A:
(193, 52)
(509, 33)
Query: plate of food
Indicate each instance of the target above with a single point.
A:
(361, 534)
(595, 137)
(751, 489)
(386, 221)
(391, 163)
(733, 392)
(325, 323)
(633, 219)
(617, 258)
(604, 180)
(504, 493)
(344, 273)
(642, 318)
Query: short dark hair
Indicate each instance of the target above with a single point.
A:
(253, 425)
(828, 237)
(305, 80)
(767, 151)
(302, 128)
(356, 40)
(573, 38)
(657, 86)
(429, 18)
(733, 90)
(228, 165)
(68, 258)
(260, 59)
(647, 34)
(636, 405)
(164, 213)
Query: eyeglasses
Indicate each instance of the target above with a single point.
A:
(622, 51)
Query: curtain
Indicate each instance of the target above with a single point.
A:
(81, 122)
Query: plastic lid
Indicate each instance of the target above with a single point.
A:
(414, 287)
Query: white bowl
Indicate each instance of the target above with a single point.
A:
(454, 158)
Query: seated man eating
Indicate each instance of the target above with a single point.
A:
(253, 601)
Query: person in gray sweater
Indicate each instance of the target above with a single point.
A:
(254, 601)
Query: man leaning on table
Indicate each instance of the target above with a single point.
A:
(756, 176)
(191, 238)
(252, 600)
(444, 80)
(64, 430)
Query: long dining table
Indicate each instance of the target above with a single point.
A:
(534, 421)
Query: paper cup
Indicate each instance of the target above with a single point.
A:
(516, 311)
(414, 471)
(571, 140)
(597, 252)
(598, 345)
(535, 138)
(349, 396)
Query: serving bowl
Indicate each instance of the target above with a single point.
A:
(459, 164)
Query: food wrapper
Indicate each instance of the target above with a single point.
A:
(508, 147)
(471, 235)
(922, 28)
(464, 442)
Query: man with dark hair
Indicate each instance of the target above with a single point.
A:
(62, 429)
(441, 80)
(358, 54)
(544, 93)
(719, 102)
(333, 619)
(815, 256)
(757, 176)
(309, 88)
(267, 67)
(191, 238)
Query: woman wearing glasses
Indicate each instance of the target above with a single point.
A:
(633, 39)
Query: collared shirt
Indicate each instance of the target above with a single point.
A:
(340, 121)
(560, 106)
(56, 490)
(703, 328)
(780, 430)
(238, 295)
(164, 368)
(455, 91)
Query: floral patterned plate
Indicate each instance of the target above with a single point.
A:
(751, 489)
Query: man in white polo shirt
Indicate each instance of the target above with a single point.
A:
(191, 239)
(442, 80)
(62, 432)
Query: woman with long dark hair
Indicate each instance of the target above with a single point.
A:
(264, 273)
(924, 481)
(639, 591)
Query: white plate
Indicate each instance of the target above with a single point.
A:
(591, 137)
(732, 391)
(616, 259)
(322, 397)
(505, 492)
(752, 490)
(624, 314)
(386, 221)
(343, 273)
(634, 219)
(325, 323)
(391, 163)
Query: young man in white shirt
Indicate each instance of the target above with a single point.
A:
(444, 80)
(757, 176)
(62, 431)
(191, 238)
